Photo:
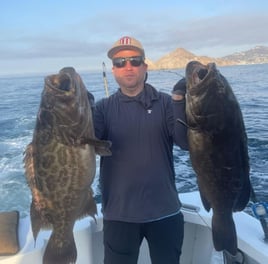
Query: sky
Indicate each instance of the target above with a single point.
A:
(39, 36)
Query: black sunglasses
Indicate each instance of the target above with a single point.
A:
(135, 61)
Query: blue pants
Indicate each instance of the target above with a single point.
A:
(122, 240)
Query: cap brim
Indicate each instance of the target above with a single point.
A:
(115, 50)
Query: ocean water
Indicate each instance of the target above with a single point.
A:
(20, 98)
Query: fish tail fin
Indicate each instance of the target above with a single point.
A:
(224, 233)
(60, 251)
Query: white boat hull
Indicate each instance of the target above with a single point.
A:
(197, 247)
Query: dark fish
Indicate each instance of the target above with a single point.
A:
(218, 149)
(60, 163)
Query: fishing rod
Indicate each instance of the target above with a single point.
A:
(173, 72)
(260, 211)
(105, 79)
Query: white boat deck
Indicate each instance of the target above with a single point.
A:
(197, 247)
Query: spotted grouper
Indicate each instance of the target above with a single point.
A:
(60, 163)
(218, 149)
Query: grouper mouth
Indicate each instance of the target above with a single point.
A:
(202, 73)
(60, 83)
(63, 104)
(199, 74)
(203, 88)
(199, 77)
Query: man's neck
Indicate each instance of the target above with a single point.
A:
(131, 92)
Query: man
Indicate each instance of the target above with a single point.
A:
(139, 197)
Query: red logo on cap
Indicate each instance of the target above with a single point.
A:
(125, 41)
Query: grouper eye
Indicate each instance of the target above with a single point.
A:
(202, 73)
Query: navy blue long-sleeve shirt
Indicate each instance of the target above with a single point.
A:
(138, 180)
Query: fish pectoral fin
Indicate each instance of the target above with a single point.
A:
(182, 122)
(103, 151)
(185, 124)
(102, 147)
